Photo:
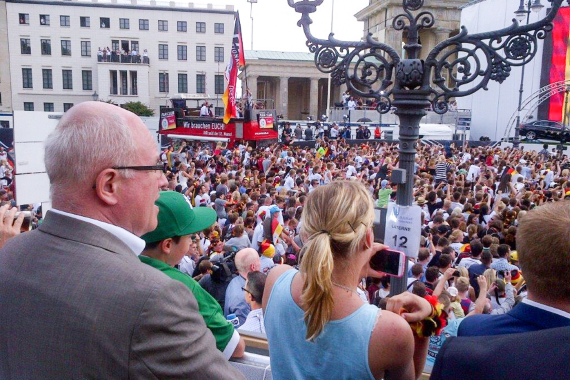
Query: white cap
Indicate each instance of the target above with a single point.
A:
(452, 290)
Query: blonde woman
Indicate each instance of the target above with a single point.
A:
(315, 319)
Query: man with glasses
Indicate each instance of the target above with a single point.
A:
(253, 292)
(76, 300)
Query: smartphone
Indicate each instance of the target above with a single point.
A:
(27, 222)
(389, 261)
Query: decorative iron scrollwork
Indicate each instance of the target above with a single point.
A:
(456, 67)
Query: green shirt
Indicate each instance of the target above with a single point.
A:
(208, 307)
(384, 197)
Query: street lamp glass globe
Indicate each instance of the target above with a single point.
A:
(536, 6)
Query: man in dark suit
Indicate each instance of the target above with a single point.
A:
(544, 256)
(75, 301)
(536, 355)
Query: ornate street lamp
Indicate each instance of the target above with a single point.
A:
(372, 69)
(520, 15)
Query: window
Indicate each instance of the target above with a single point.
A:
(65, 47)
(47, 79)
(27, 78)
(46, 47)
(28, 106)
(218, 111)
(124, 83)
(182, 26)
(48, 107)
(200, 27)
(163, 82)
(182, 52)
(219, 54)
(87, 79)
(200, 83)
(67, 106)
(67, 79)
(85, 21)
(134, 83)
(64, 20)
(113, 88)
(219, 84)
(24, 18)
(143, 24)
(219, 28)
(135, 46)
(200, 53)
(163, 25)
(182, 83)
(162, 51)
(44, 20)
(25, 46)
(114, 45)
(86, 48)
(124, 23)
(104, 22)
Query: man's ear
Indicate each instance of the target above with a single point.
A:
(106, 186)
(166, 245)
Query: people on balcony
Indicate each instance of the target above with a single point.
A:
(122, 56)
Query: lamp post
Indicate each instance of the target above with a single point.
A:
(372, 69)
(520, 14)
(251, 2)
(95, 96)
(565, 117)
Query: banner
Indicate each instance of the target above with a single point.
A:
(560, 62)
(237, 59)
(167, 119)
(265, 119)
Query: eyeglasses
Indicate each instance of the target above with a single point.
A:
(245, 290)
(141, 168)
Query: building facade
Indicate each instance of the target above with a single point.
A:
(5, 90)
(493, 109)
(65, 52)
(288, 82)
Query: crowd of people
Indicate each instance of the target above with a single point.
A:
(275, 241)
(122, 56)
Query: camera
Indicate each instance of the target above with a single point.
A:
(501, 273)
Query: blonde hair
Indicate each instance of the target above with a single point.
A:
(463, 271)
(336, 218)
(491, 276)
(462, 284)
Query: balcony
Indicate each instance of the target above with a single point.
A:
(123, 58)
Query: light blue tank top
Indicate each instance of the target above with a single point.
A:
(340, 352)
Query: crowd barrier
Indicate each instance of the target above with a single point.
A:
(255, 363)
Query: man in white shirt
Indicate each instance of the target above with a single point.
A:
(350, 170)
(290, 180)
(253, 292)
(351, 104)
(205, 111)
(474, 172)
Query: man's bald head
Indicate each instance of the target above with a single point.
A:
(90, 137)
(247, 260)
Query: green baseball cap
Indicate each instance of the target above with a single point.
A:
(177, 218)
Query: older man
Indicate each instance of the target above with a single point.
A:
(76, 302)
(247, 260)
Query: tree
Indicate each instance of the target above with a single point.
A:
(138, 108)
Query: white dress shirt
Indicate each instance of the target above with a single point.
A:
(135, 243)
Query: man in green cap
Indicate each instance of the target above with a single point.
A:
(167, 245)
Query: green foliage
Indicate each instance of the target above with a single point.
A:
(138, 108)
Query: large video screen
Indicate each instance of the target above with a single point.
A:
(560, 62)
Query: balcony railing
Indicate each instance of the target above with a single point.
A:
(123, 58)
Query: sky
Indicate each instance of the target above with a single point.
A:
(275, 23)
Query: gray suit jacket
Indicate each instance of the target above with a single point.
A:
(76, 303)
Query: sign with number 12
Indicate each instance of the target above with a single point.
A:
(403, 228)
